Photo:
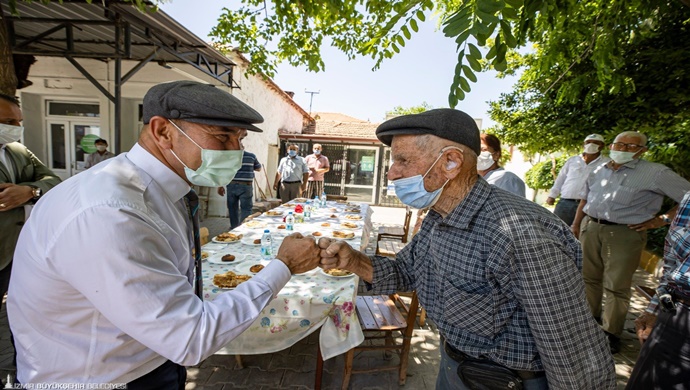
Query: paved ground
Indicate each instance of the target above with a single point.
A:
(294, 368)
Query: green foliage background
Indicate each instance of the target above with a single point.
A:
(539, 177)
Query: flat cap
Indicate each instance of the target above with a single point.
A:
(199, 103)
(447, 123)
(595, 137)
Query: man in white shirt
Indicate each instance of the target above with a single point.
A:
(571, 178)
(102, 290)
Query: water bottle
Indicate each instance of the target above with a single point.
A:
(290, 222)
(316, 202)
(307, 210)
(323, 199)
(267, 245)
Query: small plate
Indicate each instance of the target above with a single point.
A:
(255, 225)
(250, 241)
(273, 213)
(216, 258)
(349, 275)
(342, 226)
(224, 242)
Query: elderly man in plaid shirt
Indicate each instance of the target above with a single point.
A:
(664, 361)
(498, 274)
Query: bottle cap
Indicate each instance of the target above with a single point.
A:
(290, 212)
(267, 231)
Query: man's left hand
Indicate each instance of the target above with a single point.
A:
(653, 223)
(13, 196)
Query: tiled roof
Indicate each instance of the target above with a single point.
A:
(339, 125)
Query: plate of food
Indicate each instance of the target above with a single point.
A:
(337, 273)
(251, 241)
(300, 200)
(289, 205)
(225, 258)
(353, 217)
(229, 280)
(349, 225)
(326, 224)
(273, 213)
(333, 216)
(255, 224)
(343, 235)
(227, 238)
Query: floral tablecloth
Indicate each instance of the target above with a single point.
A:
(309, 301)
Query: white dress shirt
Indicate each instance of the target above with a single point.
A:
(101, 286)
(572, 177)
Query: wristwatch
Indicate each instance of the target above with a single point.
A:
(36, 192)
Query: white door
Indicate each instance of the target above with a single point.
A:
(70, 142)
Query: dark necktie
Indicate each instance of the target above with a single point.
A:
(192, 208)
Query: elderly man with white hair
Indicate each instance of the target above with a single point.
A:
(620, 202)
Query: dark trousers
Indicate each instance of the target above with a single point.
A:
(168, 376)
(240, 200)
(664, 361)
(566, 209)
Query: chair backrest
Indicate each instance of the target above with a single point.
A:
(406, 225)
(203, 235)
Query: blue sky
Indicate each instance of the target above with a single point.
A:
(421, 72)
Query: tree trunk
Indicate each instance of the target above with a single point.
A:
(8, 77)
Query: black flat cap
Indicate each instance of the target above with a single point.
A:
(199, 103)
(446, 123)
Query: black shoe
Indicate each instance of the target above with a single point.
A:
(614, 343)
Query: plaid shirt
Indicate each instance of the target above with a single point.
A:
(677, 253)
(501, 278)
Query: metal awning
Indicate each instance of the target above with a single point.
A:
(110, 30)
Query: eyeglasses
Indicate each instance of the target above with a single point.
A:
(624, 146)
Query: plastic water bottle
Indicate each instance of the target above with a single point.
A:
(267, 245)
(316, 202)
(307, 210)
(323, 199)
(290, 222)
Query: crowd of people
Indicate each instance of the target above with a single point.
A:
(522, 297)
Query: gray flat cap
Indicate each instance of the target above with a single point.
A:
(446, 123)
(199, 103)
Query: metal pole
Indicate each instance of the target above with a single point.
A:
(311, 98)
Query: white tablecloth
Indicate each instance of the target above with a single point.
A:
(309, 301)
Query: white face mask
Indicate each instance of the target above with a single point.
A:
(620, 157)
(591, 148)
(9, 133)
(101, 148)
(218, 167)
(484, 161)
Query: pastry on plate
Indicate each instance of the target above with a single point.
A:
(345, 235)
(228, 258)
(256, 268)
(229, 279)
(228, 237)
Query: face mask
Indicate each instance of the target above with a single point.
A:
(411, 191)
(591, 148)
(101, 148)
(484, 161)
(217, 169)
(317, 152)
(620, 157)
(9, 133)
(292, 153)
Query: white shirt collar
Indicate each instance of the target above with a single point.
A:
(172, 185)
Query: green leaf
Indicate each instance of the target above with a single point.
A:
(474, 51)
(406, 32)
(510, 13)
(514, 3)
(400, 40)
(413, 24)
(452, 99)
(474, 64)
(490, 6)
(464, 84)
(469, 73)
(460, 94)
(395, 48)
(500, 66)
(486, 17)
(421, 16)
(492, 53)
(508, 35)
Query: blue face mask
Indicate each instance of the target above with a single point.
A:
(411, 191)
(292, 153)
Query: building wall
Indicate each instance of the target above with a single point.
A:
(56, 79)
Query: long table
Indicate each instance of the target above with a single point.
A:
(310, 301)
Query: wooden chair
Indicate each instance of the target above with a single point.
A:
(646, 292)
(203, 235)
(382, 316)
(396, 232)
(336, 197)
